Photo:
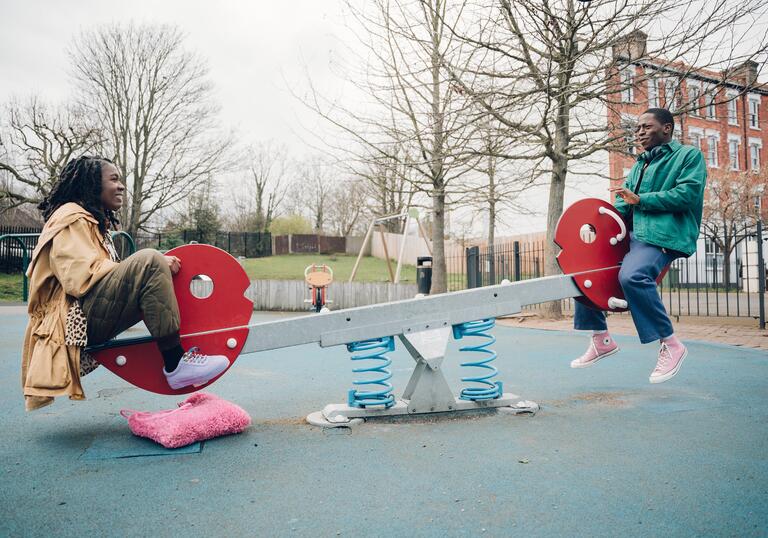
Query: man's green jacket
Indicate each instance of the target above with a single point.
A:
(671, 196)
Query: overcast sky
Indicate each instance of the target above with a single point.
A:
(257, 53)
(254, 50)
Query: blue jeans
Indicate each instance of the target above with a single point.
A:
(637, 276)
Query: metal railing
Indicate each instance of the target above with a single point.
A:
(25, 259)
(709, 283)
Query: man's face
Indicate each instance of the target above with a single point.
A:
(112, 189)
(651, 133)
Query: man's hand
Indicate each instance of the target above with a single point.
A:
(625, 194)
(173, 263)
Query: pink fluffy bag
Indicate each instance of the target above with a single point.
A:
(201, 416)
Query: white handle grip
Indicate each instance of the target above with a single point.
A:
(623, 229)
(614, 302)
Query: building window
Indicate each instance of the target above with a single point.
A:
(669, 95)
(711, 109)
(653, 93)
(627, 81)
(754, 156)
(712, 151)
(754, 106)
(629, 125)
(677, 135)
(695, 139)
(694, 94)
(733, 117)
(733, 153)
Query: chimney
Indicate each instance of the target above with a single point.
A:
(632, 46)
(746, 72)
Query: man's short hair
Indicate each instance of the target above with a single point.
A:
(662, 115)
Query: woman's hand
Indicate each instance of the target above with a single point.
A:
(625, 194)
(174, 264)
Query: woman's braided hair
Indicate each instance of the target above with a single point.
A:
(80, 182)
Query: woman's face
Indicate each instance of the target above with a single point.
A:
(112, 188)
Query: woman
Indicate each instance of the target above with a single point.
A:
(81, 293)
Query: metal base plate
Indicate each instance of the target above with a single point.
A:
(338, 415)
(318, 419)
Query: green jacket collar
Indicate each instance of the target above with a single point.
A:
(669, 147)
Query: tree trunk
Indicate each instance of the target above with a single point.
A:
(439, 282)
(491, 221)
(554, 309)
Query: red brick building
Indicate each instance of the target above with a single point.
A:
(724, 114)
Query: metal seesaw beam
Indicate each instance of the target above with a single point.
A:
(408, 316)
(391, 319)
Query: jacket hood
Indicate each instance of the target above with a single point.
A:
(60, 219)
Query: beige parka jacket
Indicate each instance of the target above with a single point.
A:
(69, 259)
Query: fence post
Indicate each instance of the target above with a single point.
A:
(516, 259)
(473, 267)
(492, 266)
(760, 274)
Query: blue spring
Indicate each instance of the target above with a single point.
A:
(373, 349)
(488, 390)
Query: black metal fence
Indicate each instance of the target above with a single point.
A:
(11, 252)
(712, 282)
(247, 244)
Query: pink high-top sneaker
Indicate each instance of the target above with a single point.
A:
(671, 357)
(600, 346)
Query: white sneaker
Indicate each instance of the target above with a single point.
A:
(196, 369)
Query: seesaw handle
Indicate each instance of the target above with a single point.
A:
(615, 216)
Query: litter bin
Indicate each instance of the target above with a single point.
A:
(424, 274)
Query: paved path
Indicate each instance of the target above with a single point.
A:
(733, 331)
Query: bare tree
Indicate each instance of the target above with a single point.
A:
(312, 190)
(153, 101)
(500, 181)
(346, 206)
(386, 184)
(552, 71)
(417, 117)
(731, 208)
(38, 140)
(258, 199)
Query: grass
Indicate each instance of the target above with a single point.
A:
(288, 267)
(291, 267)
(10, 287)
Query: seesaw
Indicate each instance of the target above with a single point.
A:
(593, 239)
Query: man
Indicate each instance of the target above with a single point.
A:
(661, 201)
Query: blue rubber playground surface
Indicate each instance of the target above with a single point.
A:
(608, 454)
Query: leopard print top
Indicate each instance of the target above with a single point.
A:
(76, 333)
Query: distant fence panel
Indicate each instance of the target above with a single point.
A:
(289, 295)
(309, 244)
(328, 244)
(282, 245)
(303, 243)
